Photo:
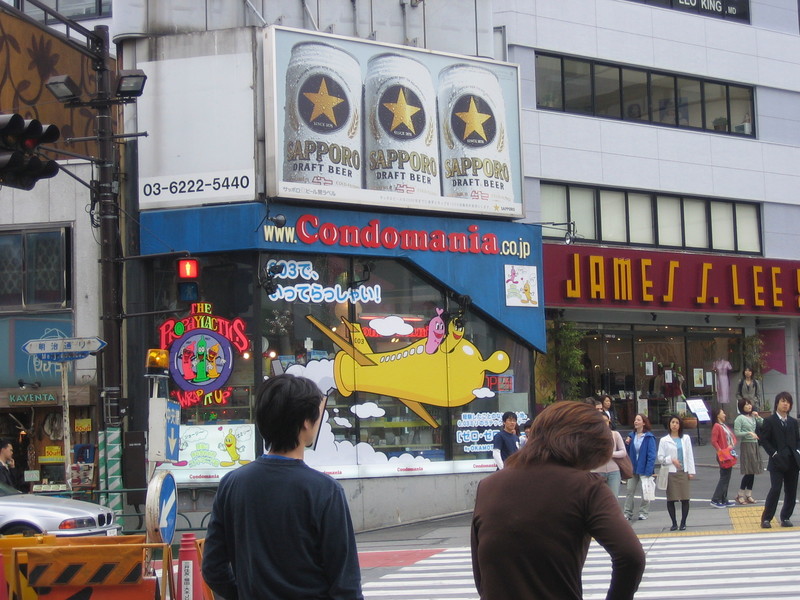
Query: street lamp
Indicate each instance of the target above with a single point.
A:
(130, 85)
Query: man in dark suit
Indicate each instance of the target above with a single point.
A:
(7, 475)
(780, 438)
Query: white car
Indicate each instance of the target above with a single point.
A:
(32, 514)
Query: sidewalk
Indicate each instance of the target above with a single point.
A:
(453, 531)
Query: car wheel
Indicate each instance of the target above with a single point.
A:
(21, 528)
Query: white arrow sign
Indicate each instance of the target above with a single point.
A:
(57, 345)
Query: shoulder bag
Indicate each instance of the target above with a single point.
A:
(727, 458)
(625, 467)
(663, 477)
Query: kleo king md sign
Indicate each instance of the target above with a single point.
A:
(366, 123)
(621, 278)
(201, 348)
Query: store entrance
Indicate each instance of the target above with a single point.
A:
(658, 367)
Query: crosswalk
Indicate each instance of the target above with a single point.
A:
(756, 566)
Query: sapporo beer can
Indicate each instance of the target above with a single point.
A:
(401, 146)
(322, 132)
(476, 161)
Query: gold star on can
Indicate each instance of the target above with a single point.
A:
(476, 163)
(322, 130)
(401, 147)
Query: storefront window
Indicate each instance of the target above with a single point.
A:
(34, 271)
(406, 366)
(658, 367)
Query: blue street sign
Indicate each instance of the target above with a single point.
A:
(161, 508)
(173, 431)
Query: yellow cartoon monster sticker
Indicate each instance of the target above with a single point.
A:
(444, 377)
(229, 446)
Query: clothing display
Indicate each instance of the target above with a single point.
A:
(722, 367)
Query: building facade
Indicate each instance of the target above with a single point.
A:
(332, 236)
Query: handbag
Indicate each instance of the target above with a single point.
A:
(625, 467)
(727, 458)
(648, 488)
(663, 478)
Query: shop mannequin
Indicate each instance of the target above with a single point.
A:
(722, 368)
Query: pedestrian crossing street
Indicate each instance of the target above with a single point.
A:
(756, 566)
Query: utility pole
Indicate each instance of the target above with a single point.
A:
(104, 192)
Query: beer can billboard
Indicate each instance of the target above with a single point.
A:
(358, 122)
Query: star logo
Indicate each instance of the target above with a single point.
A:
(400, 112)
(323, 104)
(473, 121)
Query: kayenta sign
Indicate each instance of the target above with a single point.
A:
(609, 277)
(354, 121)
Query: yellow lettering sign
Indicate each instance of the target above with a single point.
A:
(647, 283)
(597, 278)
(670, 295)
(574, 284)
(623, 279)
(758, 289)
(776, 291)
(703, 297)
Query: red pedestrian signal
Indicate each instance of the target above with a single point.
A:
(187, 268)
(188, 285)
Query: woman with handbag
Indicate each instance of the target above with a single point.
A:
(675, 453)
(642, 452)
(750, 464)
(724, 441)
(611, 471)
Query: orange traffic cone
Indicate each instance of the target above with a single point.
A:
(191, 583)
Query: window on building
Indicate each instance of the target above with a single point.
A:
(648, 219)
(605, 90)
(74, 9)
(34, 270)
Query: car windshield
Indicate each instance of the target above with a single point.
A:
(7, 490)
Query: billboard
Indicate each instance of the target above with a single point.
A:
(350, 121)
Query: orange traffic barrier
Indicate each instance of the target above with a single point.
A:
(96, 571)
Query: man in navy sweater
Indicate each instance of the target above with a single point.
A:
(278, 528)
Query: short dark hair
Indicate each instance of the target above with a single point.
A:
(528, 424)
(680, 423)
(283, 404)
(4, 442)
(742, 402)
(509, 414)
(569, 433)
(781, 396)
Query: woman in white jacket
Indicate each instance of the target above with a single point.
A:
(675, 452)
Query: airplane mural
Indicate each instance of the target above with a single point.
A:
(438, 370)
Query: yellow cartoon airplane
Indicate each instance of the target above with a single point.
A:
(446, 377)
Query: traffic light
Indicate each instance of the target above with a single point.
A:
(19, 138)
(188, 285)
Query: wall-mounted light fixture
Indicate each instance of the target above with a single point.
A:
(35, 385)
(569, 227)
(654, 316)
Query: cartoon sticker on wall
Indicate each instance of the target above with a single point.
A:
(521, 285)
(215, 446)
(446, 374)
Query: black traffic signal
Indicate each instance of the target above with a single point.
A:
(188, 284)
(19, 138)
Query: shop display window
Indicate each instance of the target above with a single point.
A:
(388, 345)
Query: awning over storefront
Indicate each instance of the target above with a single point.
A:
(496, 263)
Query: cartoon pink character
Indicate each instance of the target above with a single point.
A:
(436, 332)
(513, 278)
(186, 361)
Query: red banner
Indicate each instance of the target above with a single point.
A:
(590, 276)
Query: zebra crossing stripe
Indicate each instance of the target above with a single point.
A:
(704, 567)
